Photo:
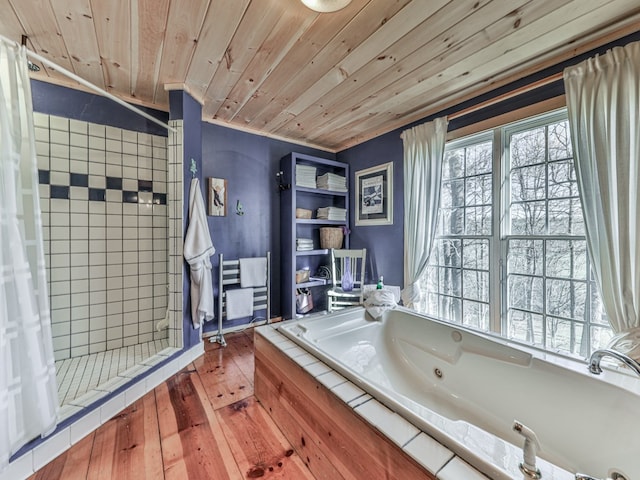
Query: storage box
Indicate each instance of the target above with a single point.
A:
(331, 237)
(302, 276)
(303, 213)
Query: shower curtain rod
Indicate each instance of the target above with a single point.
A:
(89, 85)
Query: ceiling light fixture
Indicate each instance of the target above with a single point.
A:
(326, 6)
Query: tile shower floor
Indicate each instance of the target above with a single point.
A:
(82, 380)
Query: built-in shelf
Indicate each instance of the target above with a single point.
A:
(319, 191)
(291, 228)
(313, 282)
(320, 221)
(304, 253)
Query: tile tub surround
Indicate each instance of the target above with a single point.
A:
(393, 431)
(104, 200)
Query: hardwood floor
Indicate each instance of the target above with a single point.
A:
(202, 423)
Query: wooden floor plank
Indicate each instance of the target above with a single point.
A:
(189, 432)
(259, 447)
(104, 450)
(137, 441)
(222, 378)
(224, 453)
(241, 350)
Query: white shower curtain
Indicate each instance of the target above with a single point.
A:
(423, 152)
(28, 388)
(603, 99)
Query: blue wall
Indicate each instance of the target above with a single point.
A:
(66, 102)
(384, 243)
(249, 163)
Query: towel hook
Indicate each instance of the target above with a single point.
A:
(239, 208)
(193, 168)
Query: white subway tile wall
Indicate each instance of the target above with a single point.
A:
(104, 200)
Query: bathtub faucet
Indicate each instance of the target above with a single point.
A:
(529, 451)
(594, 361)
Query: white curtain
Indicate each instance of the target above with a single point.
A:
(603, 99)
(28, 388)
(423, 152)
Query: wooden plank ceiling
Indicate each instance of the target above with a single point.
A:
(333, 80)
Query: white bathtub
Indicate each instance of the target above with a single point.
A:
(465, 389)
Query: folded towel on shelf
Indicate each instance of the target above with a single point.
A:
(239, 303)
(305, 176)
(332, 213)
(198, 249)
(253, 272)
(331, 181)
(304, 244)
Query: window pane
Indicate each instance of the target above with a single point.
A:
(479, 158)
(525, 256)
(566, 298)
(453, 164)
(600, 337)
(565, 336)
(478, 220)
(476, 315)
(452, 193)
(476, 254)
(448, 252)
(525, 293)
(450, 308)
(565, 217)
(525, 327)
(528, 183)
(567, 259)
(478, 190)
(476, 285)
(528, 218)
(452, 221)
(562, 180)
(560, 141)
(450, 281)
(528, 147)
(598, 314)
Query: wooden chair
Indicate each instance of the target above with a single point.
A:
(337, 298)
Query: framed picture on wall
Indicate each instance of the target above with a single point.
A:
(217, 197)
(374, 195)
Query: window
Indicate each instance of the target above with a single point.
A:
(458, 276)
(510, 255)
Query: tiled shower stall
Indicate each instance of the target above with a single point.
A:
(104, 209)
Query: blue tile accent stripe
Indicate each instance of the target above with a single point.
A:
(114, 183)
(100, 194)
(59, 191)
(97, 194)
(44, 177)
(145, 186)
(129, 197)
(79, 180)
